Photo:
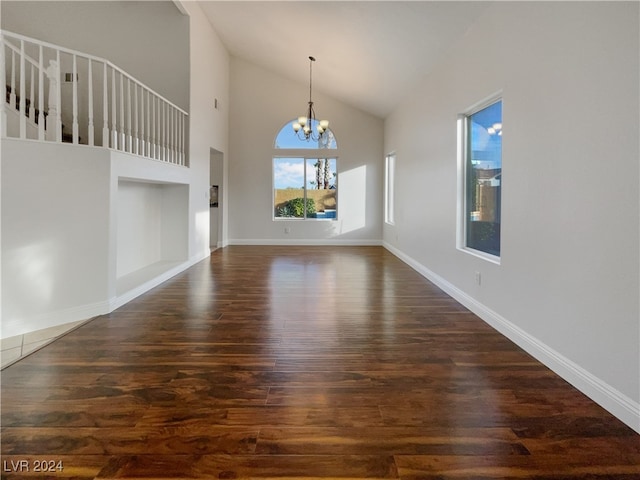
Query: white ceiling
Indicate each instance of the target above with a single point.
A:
(370, 54)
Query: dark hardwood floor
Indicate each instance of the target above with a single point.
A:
(300, 362)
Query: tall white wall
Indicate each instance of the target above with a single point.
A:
(262, 103)
(208, 125)
(567, 287)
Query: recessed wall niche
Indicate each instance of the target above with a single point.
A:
(152, 230)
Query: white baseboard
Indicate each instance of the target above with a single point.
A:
(126, 297)
(34, 323)
(25, 325)
(624, 408)
(309, 242)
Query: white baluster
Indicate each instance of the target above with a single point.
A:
(174, 121)
(114, 128)
(90, 106)
(23, 94)
(58, 99)
(105, 107)
(172, 136)
(159, 138)
(40, 95)
(135, 118)
(74, 80)
(177, 137)
(53, 119)
(129, 145)
(123, 135)
(12, 95)
(178, 129)
(3, 107)
(165, 150)
(32, 103)
(167, 131)
(143, 120)
(152, 131)
(183, 125)
(170, 132)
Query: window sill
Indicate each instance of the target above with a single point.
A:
(479, 254)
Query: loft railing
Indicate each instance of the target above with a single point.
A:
(61, 95)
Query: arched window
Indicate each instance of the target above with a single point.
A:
(305, 176)
(287, 138)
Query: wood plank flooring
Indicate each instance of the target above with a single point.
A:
(300, 362)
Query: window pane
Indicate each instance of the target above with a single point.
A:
(389, 194)
(288, 186)
(305, 188)
(321, 187)
(484, 179)
(287, 138)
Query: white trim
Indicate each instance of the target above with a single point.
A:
(302, 241)
(480, 254)
(126, 297)
(389, 188)
(624, 408)
(25, 325)
(83, 312)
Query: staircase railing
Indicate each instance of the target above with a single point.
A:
(93, 103)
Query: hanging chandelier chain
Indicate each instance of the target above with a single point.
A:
(306, 125)
(311, 60)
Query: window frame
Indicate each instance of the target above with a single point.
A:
(389, 188)
(305, 156)
(462, 173)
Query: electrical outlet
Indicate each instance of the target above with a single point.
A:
(287, 229)
(478, 278)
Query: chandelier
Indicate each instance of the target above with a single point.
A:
(304, 127)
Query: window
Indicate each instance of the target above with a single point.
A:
(389, 173)
(305, 178)
(305, 188)
(287, 138)
(481, 145)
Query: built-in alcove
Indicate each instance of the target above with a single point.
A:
(152, 231)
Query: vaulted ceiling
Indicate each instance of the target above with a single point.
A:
(370, 54)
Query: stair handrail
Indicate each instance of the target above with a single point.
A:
(167, 141)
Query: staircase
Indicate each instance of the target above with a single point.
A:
(54, 94)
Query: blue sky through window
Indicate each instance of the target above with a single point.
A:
(287, 138)
(288, 173)
(486, 140)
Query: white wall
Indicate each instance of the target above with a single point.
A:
(151, 224)
(567, 287)
(208, 125)
(263, 103)
(55, 234)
